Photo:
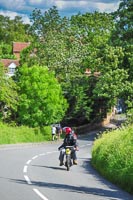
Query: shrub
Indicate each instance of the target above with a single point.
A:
(112, 156)
(23, 134)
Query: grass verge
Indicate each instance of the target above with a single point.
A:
(112, 156)
(23, 134)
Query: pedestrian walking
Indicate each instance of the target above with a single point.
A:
(53, 132)
(58, 131)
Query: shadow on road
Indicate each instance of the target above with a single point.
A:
(78, 189)
(50, 167)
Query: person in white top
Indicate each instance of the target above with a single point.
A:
(53, 132)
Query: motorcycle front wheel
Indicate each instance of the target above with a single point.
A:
(68, 163)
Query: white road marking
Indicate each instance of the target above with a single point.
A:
(28, 162)
(27, 179)
(40, 194)
(35, 157)
(25, 169)
(49, 152)
(85, 145)
(88, 144)
(54, 151)
(42, 154)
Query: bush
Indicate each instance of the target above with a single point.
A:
(23, 134)
(112, 156)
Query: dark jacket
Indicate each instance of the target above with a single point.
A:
(70, 140)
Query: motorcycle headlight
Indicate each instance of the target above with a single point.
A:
(68, 151)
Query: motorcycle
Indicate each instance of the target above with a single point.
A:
(68, 156)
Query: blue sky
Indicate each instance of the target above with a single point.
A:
(66, 8)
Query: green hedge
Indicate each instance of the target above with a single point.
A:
(23, 134)
(112, 156)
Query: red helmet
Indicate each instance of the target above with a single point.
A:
(68, 130)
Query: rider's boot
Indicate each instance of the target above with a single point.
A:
(75, 162)
(61, 163)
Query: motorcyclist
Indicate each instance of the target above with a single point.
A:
(69, 140)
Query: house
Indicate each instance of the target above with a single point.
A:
(11, 64)
(18, 47)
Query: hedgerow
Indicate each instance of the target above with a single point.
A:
(112, 156)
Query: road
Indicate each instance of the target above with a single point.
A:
(32, 172)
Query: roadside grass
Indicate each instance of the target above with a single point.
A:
(15, 134)
(112, 156)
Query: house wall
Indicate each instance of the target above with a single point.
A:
(17, 54)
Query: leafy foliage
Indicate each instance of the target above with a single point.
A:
(41, 101)
(123, 36)
(112, 156)
(10, 134)
(6, 51)
(8, 94)
(70, 46)
(13, 30)
(10, 31)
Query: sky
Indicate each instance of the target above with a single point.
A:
(66, 8)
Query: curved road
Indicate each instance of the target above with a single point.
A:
(32, 172)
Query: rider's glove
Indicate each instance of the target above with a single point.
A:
(77, 148)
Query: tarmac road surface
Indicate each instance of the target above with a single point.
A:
(32, 172)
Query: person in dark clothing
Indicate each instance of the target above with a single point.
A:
(58, 131)
(69, 140)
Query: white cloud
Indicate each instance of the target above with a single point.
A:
(42, 3)
(35, 1)
(110, 7)
(8, 14)
(70, 4)
(16, 4)
(24, 5)
(65, 7)
(12, 15)
(68, 8)
(26, 19)
(87, 5)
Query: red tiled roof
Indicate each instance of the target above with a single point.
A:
(7, 62)
(19, 46)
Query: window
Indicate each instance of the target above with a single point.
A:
(11, 69)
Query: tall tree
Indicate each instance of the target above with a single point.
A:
(123, 36)
(124, 23)
(68, 47)
(13, 30)
(41, 101)
(8, 95)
